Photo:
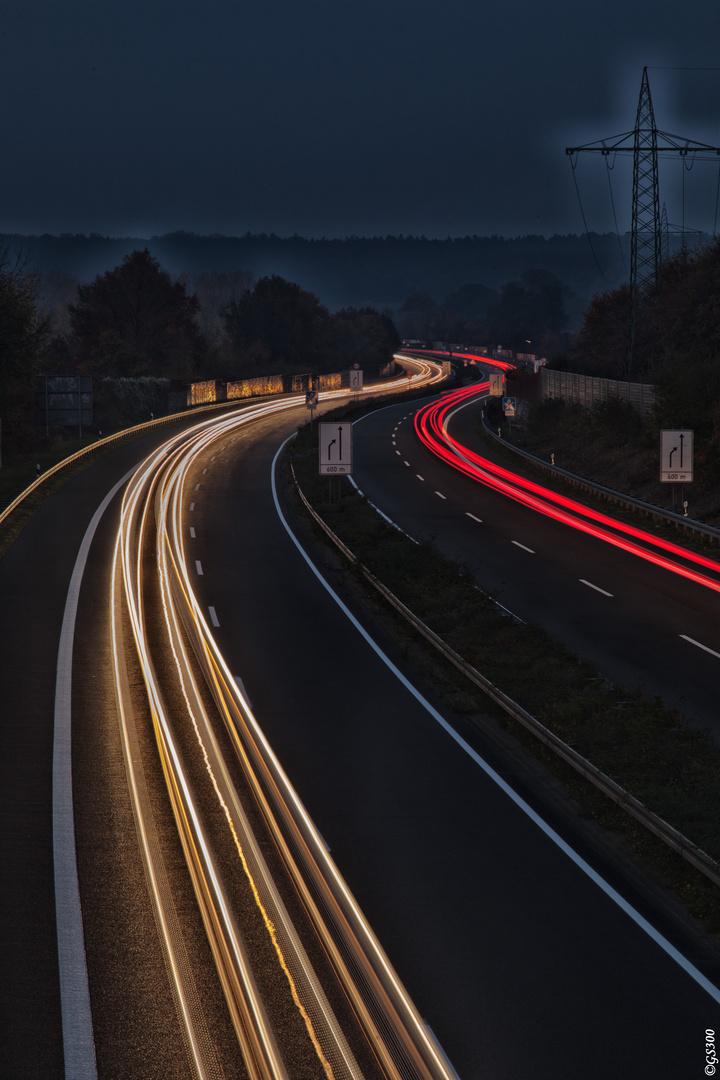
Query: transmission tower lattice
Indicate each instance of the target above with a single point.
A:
(644, 142)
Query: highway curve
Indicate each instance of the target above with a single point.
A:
(517, 959)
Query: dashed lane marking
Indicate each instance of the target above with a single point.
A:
(700, 645)
(595, 587)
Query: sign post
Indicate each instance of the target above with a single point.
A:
(676, 461)
(311, 401)
(356, 378)
(496, 379)
(335, 449)
(676, 457)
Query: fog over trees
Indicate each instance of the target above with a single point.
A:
(377, 272)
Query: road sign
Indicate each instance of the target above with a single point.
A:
(356, 378)
(311, 399)
(335, 449)
(509, 405)
(676, 457)
(496, 383)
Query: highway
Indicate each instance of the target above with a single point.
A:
(641, 624)
(525, 946)
(489, 923)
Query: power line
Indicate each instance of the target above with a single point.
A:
(587, 231)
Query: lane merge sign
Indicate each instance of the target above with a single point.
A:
(676, 457)
(496, 379)
(335, 449)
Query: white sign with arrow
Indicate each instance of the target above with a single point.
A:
(335, 449)
(676, 457)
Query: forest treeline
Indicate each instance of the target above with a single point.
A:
(137, 331)
(677, 345)
(351, 272)
(139, 321)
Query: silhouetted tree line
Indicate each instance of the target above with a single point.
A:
(354, 271)
(138, 331)
(24, 334)
(527, 315)
(677, 344)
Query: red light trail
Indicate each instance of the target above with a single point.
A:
(431, 427)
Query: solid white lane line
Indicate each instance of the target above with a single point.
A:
(468, 514)
(518, 544)
(700, 645)
(213, 616)
(595, 587)
(78, 1042)
(383, 515)
(192, 532)
(441, 494)
(198, 567)
(612, 894)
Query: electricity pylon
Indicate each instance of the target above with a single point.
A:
(644, 142)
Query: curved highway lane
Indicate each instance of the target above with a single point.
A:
(490, 924)
(639, 623)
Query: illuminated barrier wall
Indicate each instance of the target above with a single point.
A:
(205, 393)
(588, 391)
(213, 391)
(330, 382)
(245, 388)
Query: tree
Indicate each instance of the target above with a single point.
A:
(527, 310)
(361, 336)
(23, 333)
(414, 319)
(603, 338)
(134, 320)
(277, 325)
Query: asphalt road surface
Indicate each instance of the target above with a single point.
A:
(520, 961)
(622, 613)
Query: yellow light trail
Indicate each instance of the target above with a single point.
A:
(158, 488)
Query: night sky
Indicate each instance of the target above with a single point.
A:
(331, 118)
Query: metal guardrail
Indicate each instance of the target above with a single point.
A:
(688, 524)
(662, 829)
(120, 436)
(87, 451)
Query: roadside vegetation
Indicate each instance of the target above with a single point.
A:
(668, 765)
(677, 350)
(614, 446)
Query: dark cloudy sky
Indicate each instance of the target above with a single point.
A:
(339, 117)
